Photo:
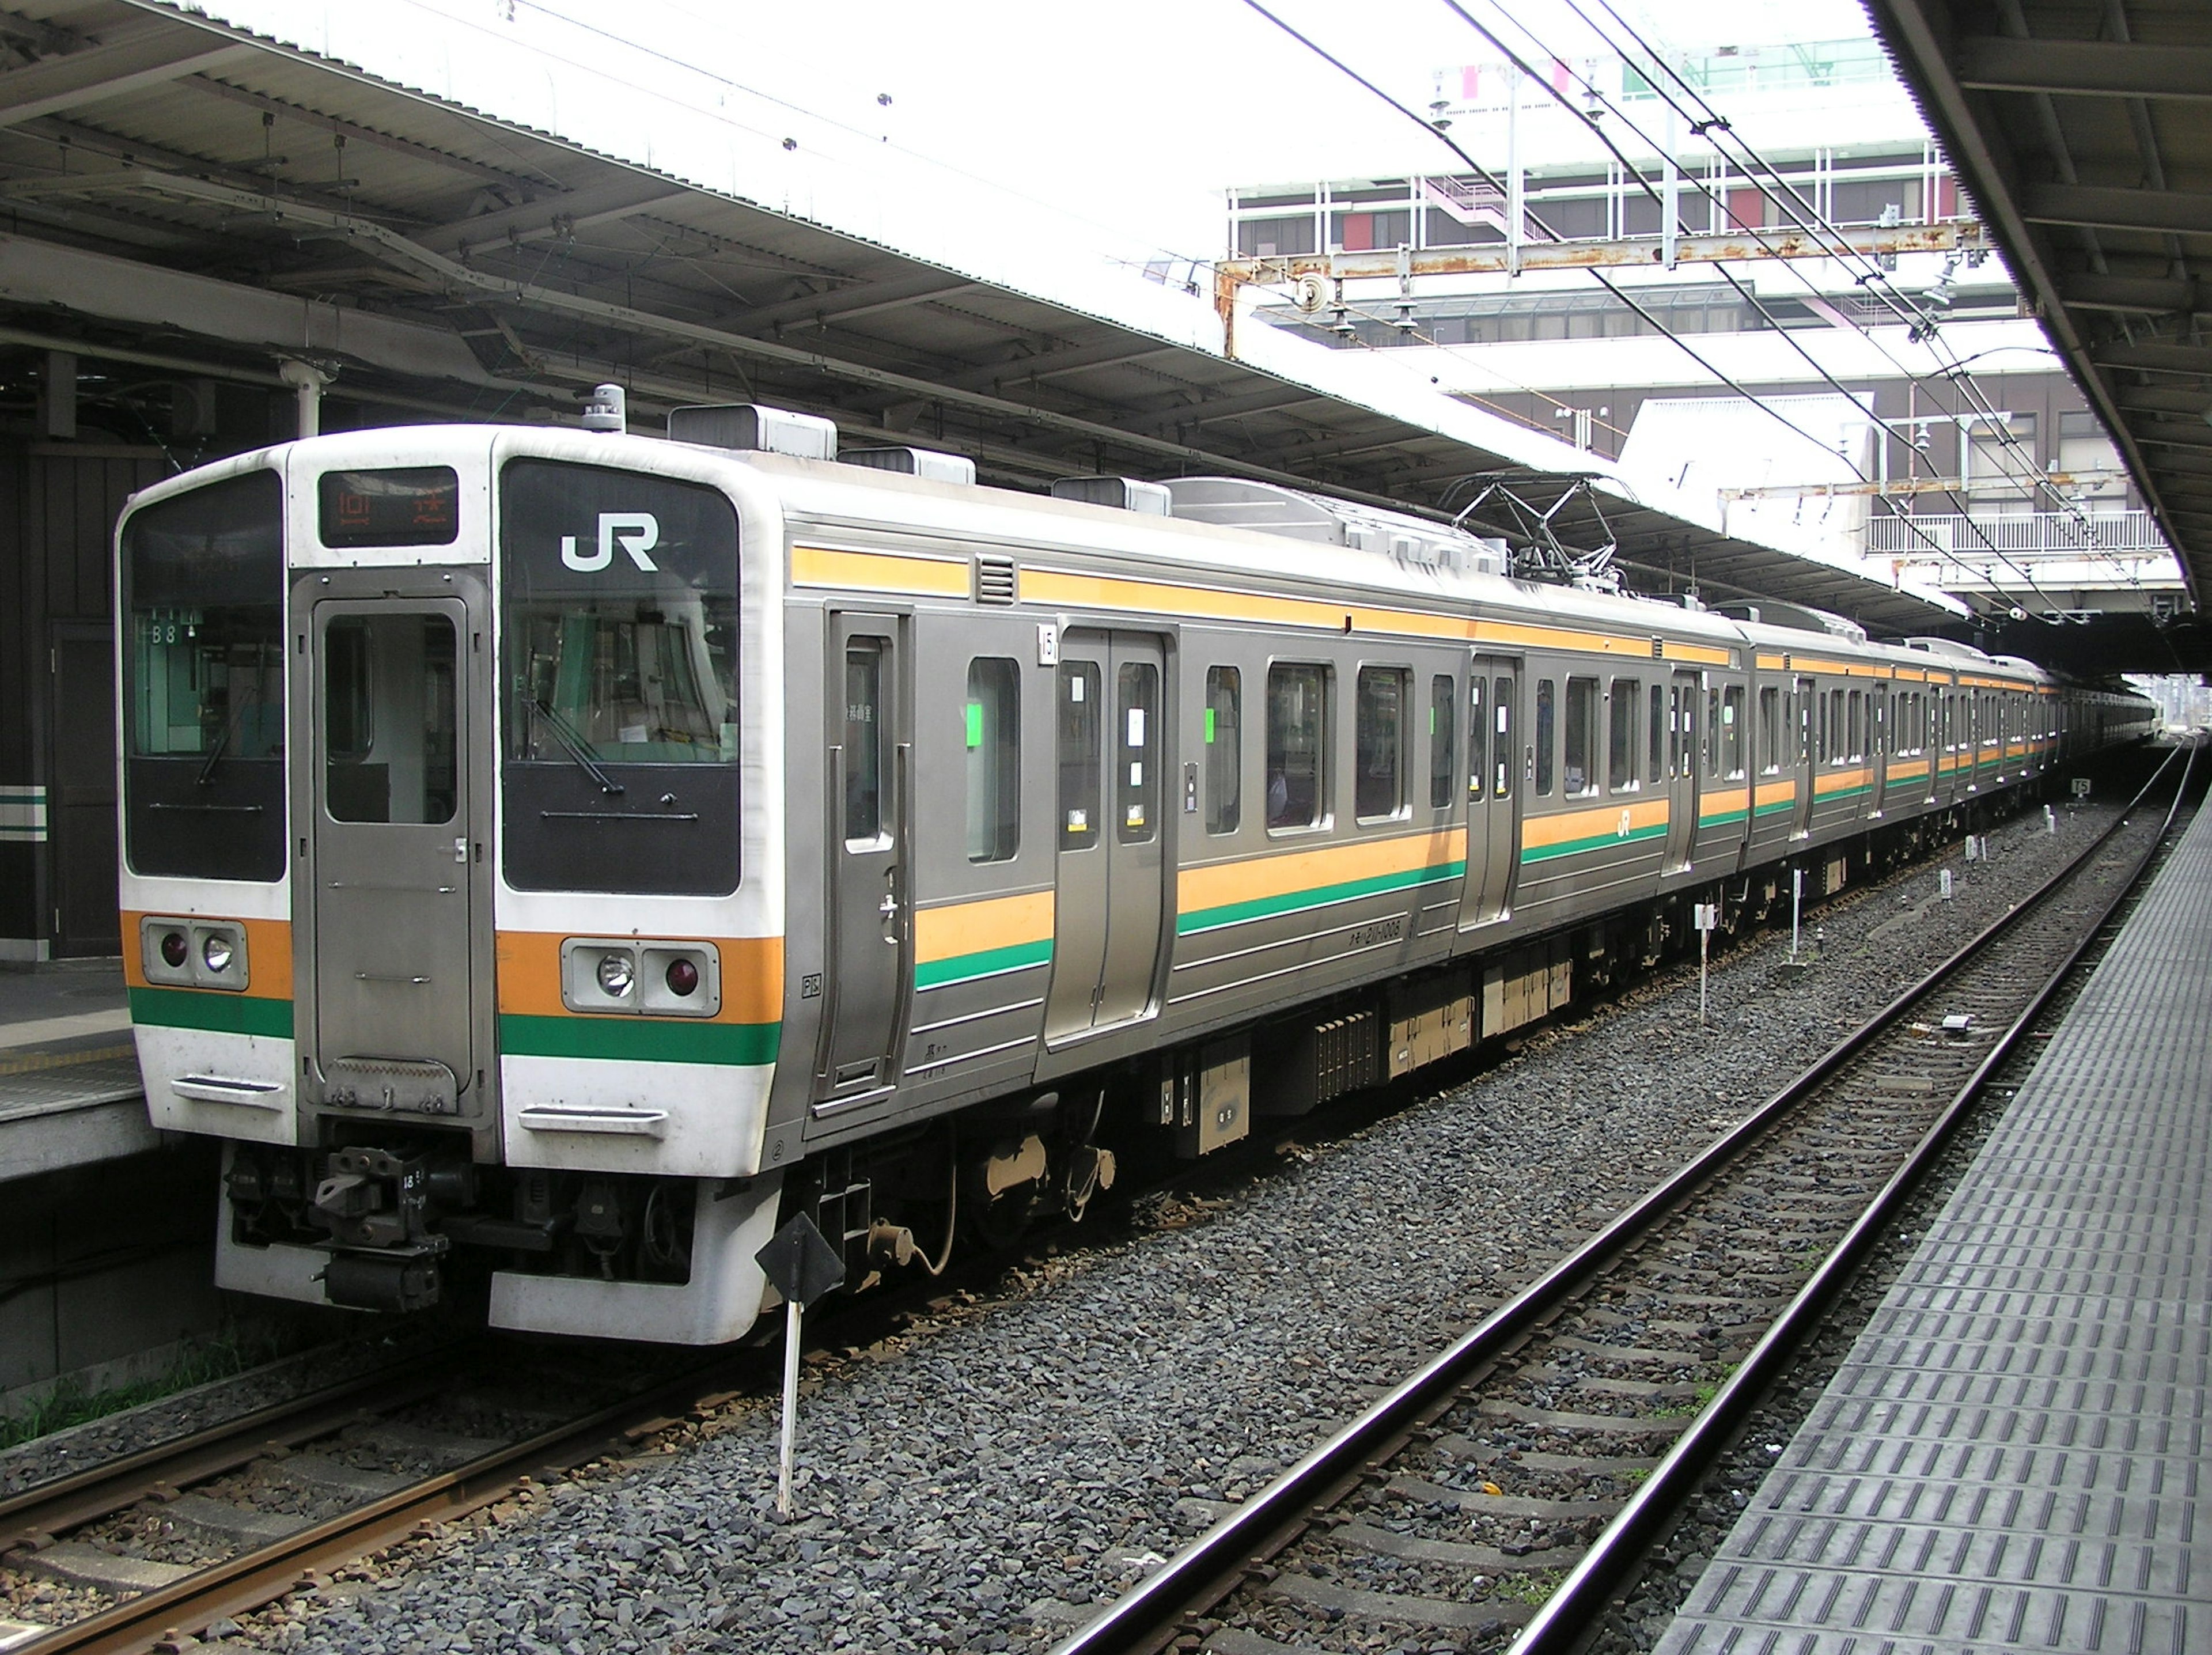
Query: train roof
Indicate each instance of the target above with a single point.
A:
(1378, 552)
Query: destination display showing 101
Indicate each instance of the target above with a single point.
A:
(397, 506)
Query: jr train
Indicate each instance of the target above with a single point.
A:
(552, 858)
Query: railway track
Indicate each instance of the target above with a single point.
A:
(129, 1554)
(176, 1537)
(1512, 1485)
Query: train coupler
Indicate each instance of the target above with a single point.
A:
(397, 1282)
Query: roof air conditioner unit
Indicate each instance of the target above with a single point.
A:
(750, 428)
(1122, 493)
(926, 463)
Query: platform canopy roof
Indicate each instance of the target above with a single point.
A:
(2084, 133)
(206, 201)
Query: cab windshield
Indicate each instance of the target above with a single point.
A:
(202, 577)
(619, 661)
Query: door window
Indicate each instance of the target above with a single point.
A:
(1730, 737)
(1079, 756)
(994, 738)
(1224, 749)
(863, 743)
(1546, 733)
(1501, 750)
(389, 752)
(1478, 733)
(1137, 776)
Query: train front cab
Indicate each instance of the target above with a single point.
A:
(434, 848)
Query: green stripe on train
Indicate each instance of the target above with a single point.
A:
(1569, 847)
(630, 1038)
(985, 962)
(214, 1010)
(1259, 907)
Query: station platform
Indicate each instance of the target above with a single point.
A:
(2014, 1453)
(70, 1093)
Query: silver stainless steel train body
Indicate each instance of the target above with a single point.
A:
(552, 858)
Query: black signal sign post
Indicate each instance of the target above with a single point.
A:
(801, 1265)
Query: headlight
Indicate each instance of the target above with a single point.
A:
(216, 950)
(617, 973)
(683, 977)
(175, 949)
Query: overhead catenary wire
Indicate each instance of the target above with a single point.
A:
(1786, 198)
(1490, 178)
(1925, 327)
(1630, 169)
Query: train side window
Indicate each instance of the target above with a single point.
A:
(1858, 725)
(1501, 750)
(993, 764)
(1655, 767)
(1478, 735)
(1224, 749)
(1713, 730)
(1625, 728)
(1546, 723)
(864, 765)
(1297, 723)
(1136, 767)
(1582, 737)
(1731, 732)
(1379, 734)
(1769, 731)
(1444, 705)
(1080, 716)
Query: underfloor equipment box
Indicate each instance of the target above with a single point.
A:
(1311, 1063)
(1430, 1019)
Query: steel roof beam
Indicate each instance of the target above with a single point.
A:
(2098, 207)
(369, 136)
(2089, 68)
(124, 64)
(2156, 356)
(864, 297)
(553, 214)
(1057, 364)
(2156, 295)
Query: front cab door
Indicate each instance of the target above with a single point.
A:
(393, 851)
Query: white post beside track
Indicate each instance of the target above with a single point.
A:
(1797, 906)
(791, 1347)
(1706, 915)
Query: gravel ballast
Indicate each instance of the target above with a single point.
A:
(981, 1480)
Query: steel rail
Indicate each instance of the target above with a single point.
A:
(1566, 1619)
(1148, 1617)
(260, 1576)
(46, 1509)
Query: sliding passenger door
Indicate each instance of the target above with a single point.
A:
(1110, 873)
(1683, 698)
(868, 929)
(1493, 837)
(1808, 694)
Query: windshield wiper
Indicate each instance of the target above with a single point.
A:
(206, 776)
(565, 733)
